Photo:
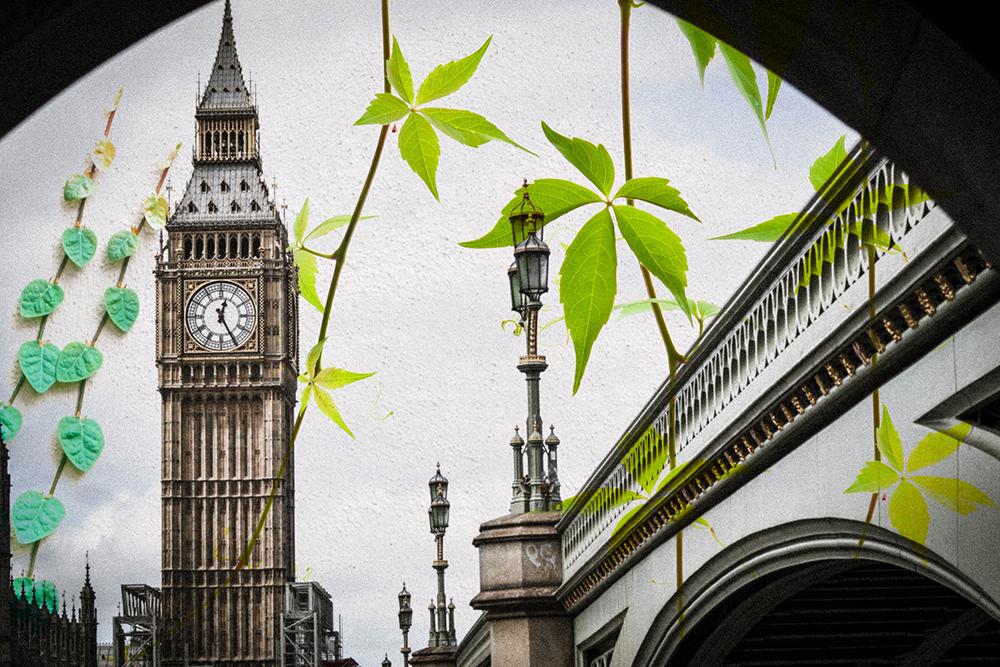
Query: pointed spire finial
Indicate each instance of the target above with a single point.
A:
(86, 566)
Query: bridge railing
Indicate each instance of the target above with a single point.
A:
(868, 206)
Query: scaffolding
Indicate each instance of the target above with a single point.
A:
(136, 629)
(307, 634)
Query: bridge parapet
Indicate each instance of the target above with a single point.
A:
(808, 298)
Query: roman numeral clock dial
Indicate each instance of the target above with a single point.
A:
(221, 316)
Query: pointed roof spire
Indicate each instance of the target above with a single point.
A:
(226, 88)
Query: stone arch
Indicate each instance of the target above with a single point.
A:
(728, 596)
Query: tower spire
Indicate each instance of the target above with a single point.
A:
(226, 87)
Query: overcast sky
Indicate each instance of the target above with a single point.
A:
(413, 306)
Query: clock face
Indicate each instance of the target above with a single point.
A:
(221, 316)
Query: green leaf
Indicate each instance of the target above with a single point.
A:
(703, 309)
(155, 210)
(121, 245)
(768, 231)
(955, 494)
(874, 477)
(676, 472)
(384, 109)
(81, 440)
(746, 82)
(467, 127)
(79, 244)
(78, 362)
(332, 224)
(655, 191)
(39, 298)
(936, 446)
(603, 497)
(78, 187)
(312, 356)
(329, 408)
(301, 222)
(773, 85)
(657, 248)
(592, 161)
(398, 73)
(418, 145)
(446, 79)
(34, 516)
(122, 305)
(555, 196)
(588, 285)
(908, 512)
(702, 522)
(40, 593)
(887, 440)
(10, 422)
(38, 364)
(702, 44)
(824, 167)
(103, 154)
(306, 263)
(335, 378)
(625, 518)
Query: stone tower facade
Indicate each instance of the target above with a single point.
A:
(227, 328)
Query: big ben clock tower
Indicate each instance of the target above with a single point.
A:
(227, 328)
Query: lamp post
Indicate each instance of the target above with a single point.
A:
(529, 280)
(442, 631)
(405, 621)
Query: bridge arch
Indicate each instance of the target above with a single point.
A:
(820, 577)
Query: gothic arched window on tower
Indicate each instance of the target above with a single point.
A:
(192, 208)
(187, 248)
(244, 186)
(223, 186)
(234, 208)
(210, 248)
(204, 187)
(254, 206)
(212, 208)
(244, 246)
(256, 245)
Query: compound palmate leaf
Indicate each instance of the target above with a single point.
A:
(467, 127)
(10, 422)
(79, 244)
(418, 145)
(587, 286)
(657, 191)
(81, 440)
(38, 364)
(35, 517)
(39, 298)
(78, 362)
(122, 305)
(594, 162)
(335, 378)
(657, 248)
(384, 109)
(874, 477)
(447, 78)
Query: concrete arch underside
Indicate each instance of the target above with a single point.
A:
(825, 591)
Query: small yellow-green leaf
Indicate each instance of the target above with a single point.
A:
(768, 231)
(78, 362)
(81, 440)
(104, 154)
(38, 364)
(78, 187)
(398, 73)
(121, 245)
(10, 422)
(956, 494)
(936, 446)
(325, 403)
(79, 244)
(594, 162)
(35, 517)
(332, 224)
(154, 211)
(122, 305)
(702, 522)
(447, 78)
(655, 191)
(825, 166)
(384, 109)
(39, 297)
(335, 378)
(887, 440)
(658, 249)
(301, 222)
(467, 127)
(588, 286)
(874, 477)
(306, 263)
(702, 45)
(418, 145)
(908, 512)
(312, 356)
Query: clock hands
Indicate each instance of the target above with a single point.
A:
(221, 312)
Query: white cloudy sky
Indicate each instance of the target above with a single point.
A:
(413, 306)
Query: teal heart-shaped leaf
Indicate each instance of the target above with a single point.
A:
(122, 245)
(38, 364)
(79, 244)
(39, 298)
(122, 305)
(10, 422)
(77, 187)
(35, 517)
(82, 441)
(78, 362)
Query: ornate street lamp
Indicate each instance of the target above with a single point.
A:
(442, 632)
(405, 621)
(529, 280)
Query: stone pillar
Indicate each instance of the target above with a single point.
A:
(436, 656)
(520, 568)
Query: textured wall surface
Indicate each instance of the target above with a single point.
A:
(413, 306)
